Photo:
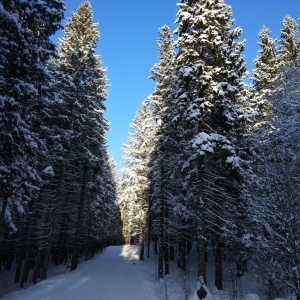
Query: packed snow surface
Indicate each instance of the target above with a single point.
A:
(111, 275)
(117, 274)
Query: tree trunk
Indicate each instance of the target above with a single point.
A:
(142, 241)
(2, 216)
(149, 239)
(182, 254)
(45, 263)
(75, 253)
(161, 250)
(171, 253)
(37, 267)
(25, 271)
(218, 264)
(19, 268)
(166, 258)
(201, 229)
(161, 247)
(155, 244)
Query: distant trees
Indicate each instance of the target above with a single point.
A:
(57, 181)
(264, 77)
(289, 43)
(133, 195)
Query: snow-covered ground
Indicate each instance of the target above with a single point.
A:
(112, 275)
(117, 274)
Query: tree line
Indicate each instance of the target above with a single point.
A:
(213, 161)
(57, 182)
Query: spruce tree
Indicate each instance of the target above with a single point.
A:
(276, 165)
(210, 68)
(25, 28)
(276, 205)
(265, 75)
(289, 45)
(266, 63)
(284, 175)
(133, 199)
(81, 89)
(160, 165)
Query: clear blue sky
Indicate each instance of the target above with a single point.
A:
(128, 33)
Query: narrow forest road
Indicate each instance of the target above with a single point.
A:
(111, 275)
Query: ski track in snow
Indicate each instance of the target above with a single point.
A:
(108, 276)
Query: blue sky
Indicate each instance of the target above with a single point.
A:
(128, 33)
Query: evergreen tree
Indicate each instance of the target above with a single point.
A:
(133, 199)
(266, 63)
(115, 218)
(160, 163)
(289, 44)
(25, 48)
(285, 177)
(81, 89)
(276, 205)
(210, 68)
(264, 78)
(275, 166)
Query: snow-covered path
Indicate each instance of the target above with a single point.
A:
(111, 275)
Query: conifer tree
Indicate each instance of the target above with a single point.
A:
(277, 225)
(210, 68)
(25, 28)
(115, 218)
(133, 200)
(289, 45)
(266, 63)
(265, 75)
(160, 165)
(284, 176)
(276, 163)
(82, 90)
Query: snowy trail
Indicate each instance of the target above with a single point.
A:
(108, 276)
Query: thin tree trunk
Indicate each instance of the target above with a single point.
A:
(149, 239)
(19, 268)
(161, 250)
(37, 267)
(25, 271)
(142, 241)
(161, 247)
(166, 258)
(218, 264)
(45, 263)
(182, 254)
(75, 254)
(2, 216)
(201, 229)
